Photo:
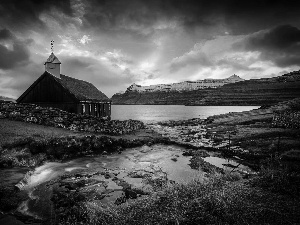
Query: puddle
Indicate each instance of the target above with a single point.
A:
(226, 164)
(12, 176)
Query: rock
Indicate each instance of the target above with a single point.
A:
(129, 193)
(107, 176)
(188, 153)
(120, 200)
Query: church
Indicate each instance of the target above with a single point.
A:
(53, 89)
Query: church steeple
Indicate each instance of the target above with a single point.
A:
(52, 65)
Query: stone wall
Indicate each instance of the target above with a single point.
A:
(287, 119)
(54, 117)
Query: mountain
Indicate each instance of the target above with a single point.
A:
(185, 85)
(247, 92)
(3, 98)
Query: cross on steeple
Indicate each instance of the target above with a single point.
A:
(52, 45)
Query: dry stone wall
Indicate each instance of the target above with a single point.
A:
(54, 117)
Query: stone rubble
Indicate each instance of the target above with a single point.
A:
(194, 133)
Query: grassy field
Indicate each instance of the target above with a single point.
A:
(10, 131)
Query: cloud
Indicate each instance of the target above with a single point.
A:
(191, 58)
(5, 34)
(90, 69)
(281, 45)
(12, 50)
(143, 16)
(84, 40)
(113, 43)
(21, 14)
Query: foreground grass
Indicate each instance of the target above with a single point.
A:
(10, 131)
(216, 201)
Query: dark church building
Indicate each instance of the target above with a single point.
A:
(53, 89)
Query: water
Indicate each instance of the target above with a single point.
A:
(145, 159)
(223, 163)
(140, 158)
(156, 113)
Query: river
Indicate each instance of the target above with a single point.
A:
(157, 113)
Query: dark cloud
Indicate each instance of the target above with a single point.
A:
(280, 45)
(21, 14)
(279, 39)
(240, 17)
(5, 34)
(9, 58)
(138, 17)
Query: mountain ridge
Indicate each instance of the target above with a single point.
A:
(262, 91)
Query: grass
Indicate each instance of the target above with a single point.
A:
(216, 201)
(26, 144)
(13, 130)
(10, 131)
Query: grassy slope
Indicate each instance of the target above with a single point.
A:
(253, 129)
(12, 130)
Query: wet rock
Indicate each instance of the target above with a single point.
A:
(129, 193)
(197, 162)
(120, 200)
(107, 176)
(139, 174)
(24, 181)
(104, 153)
(188, 153)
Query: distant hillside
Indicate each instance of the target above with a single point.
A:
(3, 98)
(250, 92)
(185, 85)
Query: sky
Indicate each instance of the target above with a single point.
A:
(115, 43)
